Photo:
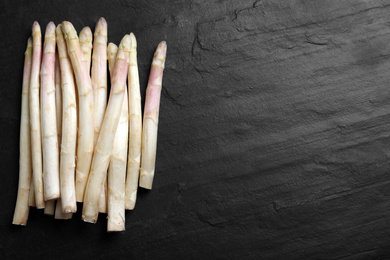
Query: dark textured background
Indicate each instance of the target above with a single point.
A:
(274, 135)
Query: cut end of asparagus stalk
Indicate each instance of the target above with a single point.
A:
(89, 218)
(69, 209)
(130, 202)
(146, 180)
(49, 208)
(111, 227)
(59, 214)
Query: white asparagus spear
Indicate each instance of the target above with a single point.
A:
(85, 94)
(57, 80)
(69, 128)
(117, 169)
(58, 212)
(35, 120)
(103, 147)
(150, 122)
(51, 170)
(86, 46)
(99, 75)
(99, 86)
(85, 40)
(22, 202)
(135, 130)
(49, 207)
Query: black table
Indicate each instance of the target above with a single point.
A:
(274, 135)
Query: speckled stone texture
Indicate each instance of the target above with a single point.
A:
(274, 135)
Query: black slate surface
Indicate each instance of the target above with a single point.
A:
(274, 135)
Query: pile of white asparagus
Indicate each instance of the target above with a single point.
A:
(74, 146)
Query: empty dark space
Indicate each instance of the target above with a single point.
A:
(274, 133)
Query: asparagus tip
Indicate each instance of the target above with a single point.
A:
(66, 27)
(133, 40)
(101, 27)
(50, 29)
(102, 21)
(86, 35)
(163, 46)
(36, 27)
(87, 31)
(125, 43)
(112, 46)
(50, 25)
(160, 54)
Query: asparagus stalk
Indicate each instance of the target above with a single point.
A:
(106, 137)
(150, 122)
(117, 168)
(99, 86)
(57, 80)
(35, 121)
(135, 131)
(86, 46)
(51, 171)
(22, 201)
(99, 75)
(31, 196)
(58, 212)
(69, 128)
(49, 207)
(103, 197)
(86, 131)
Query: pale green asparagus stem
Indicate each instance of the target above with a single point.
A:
(117, 169)
(85, 93)
(35, 120)
(86, 46)
(150, 122)
(69, 128)
(135, 130)
(104, 144)
(22, 201)
(51, 170)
